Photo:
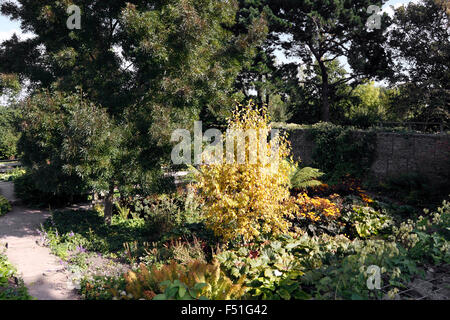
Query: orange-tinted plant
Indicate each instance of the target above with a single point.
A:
(146, 283)
(315, 208)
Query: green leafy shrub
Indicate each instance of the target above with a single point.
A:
(342, 272)
(428, 238)
(322, 267)
(363, 221)
(341, 151)
(272, 271)
(11, 287)
(69, 146)
(12, 175)
(127, 238)
(170, 216)
(413, 189)
(27, 191)
(9, 135)
(5, 206)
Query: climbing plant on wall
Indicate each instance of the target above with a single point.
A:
(341, 151)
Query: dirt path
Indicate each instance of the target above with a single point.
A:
(44, 276)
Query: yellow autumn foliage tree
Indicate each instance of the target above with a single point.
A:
(247, 197)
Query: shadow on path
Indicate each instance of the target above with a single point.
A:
(42, 272)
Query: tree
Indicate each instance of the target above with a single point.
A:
(369, 105)
(323, 31)
(304, 85)
(9, 134)
(152, 65)
(70, 146)
(420, 45)
(248, 198)
(9, 84)
(195, 58)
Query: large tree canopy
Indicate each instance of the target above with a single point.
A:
(153, 65)
(147, 67)
(420, 42)
(156, 54)
(319, 32)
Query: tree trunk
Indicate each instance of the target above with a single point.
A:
(259, 91)
(109, 205)
(325, 112)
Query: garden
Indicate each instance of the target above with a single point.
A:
(136, 202)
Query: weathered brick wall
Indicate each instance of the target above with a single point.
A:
(397, 153)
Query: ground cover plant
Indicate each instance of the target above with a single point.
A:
(11, 287)
(320, 264)
(172, 250)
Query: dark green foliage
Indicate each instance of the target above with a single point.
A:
(306, 99)
(11, 287)
(363, 221)
(72, 147)
(321, 32)
(413, 189)
(341, 151)
(9, 134)
(356, 220)
(426, 239)
(67, 144)
(91, 233)
(152, 68)
(158, 219)
(170, 216)
(335, 267)
(342, 271)
(5, 206)
(272, 271)
(26, 191)
(420, 42)
(174, 289)
(321, 267)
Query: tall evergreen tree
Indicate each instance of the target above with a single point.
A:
(420, 44)
(153, 65)
(326, 30)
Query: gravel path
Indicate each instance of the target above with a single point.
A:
(44, 276)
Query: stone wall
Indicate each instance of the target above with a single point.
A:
(397, 153)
